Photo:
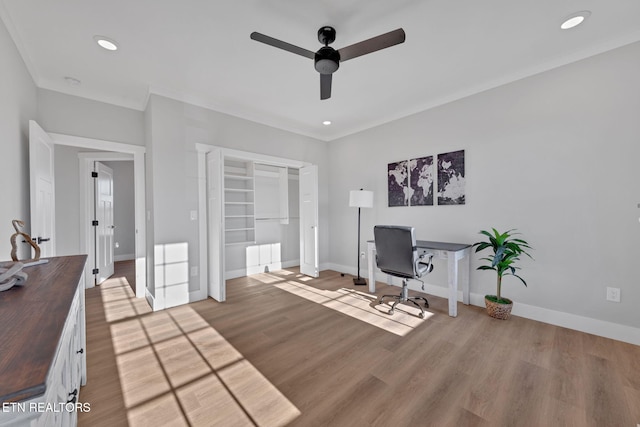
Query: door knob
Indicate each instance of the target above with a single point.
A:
(39, 240)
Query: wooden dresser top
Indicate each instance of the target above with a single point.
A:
(32, 317)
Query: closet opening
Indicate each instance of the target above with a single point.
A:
(261, 215)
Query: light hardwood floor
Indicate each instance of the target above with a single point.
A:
(288, 350)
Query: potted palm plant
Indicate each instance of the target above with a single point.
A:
(507, 249)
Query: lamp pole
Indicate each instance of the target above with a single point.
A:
(360, 199)
(359, 280)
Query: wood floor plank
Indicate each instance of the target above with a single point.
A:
(285, 349)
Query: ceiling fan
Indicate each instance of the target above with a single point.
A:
(327, 59)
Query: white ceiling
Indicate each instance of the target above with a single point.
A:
(199, 51)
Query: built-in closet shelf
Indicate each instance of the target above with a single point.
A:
(239, 202)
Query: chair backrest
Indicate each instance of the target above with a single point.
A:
(396, 251)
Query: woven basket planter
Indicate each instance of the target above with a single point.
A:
(498, 311)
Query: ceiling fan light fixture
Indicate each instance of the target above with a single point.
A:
(327, 60)
(574, 19)
(106, 43)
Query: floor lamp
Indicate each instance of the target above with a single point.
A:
(360, 199)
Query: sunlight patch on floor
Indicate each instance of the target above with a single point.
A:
(174, 368)
(119, 302)
(361, 306)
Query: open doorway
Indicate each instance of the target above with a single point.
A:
(106, 151)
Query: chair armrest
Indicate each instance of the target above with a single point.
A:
(421, 260)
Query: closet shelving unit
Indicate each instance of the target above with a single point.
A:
(239, 202)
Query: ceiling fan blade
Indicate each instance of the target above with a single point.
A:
(373, 44)
(282, 45)
(325, 86)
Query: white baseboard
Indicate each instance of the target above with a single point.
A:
(124, 257)
(151, 300)
(588, 325)
(197, 295)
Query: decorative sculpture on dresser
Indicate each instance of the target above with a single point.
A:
(10, 275)
(17, 224)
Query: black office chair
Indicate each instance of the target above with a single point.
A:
(397, 255)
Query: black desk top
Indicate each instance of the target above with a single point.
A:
(439, 246)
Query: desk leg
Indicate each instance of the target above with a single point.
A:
(464, 276)
(453, 283)
(372, 278)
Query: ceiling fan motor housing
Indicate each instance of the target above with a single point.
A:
(327, 60)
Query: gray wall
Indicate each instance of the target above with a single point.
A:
(67, 200)
(17, 106)
(71, 115)
(554, 155)
(173, 130)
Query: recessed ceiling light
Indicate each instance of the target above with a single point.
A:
(72, 81)
(326, 122)
(106, 43)
(575, 19)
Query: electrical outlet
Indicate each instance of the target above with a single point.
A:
(613, 294)
(362, 255)
(194, 271)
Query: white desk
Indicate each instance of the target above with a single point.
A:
(453, 253)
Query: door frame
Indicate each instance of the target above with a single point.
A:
(202, 150)
(113, 149)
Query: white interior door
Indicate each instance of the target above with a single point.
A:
(105, 227)
(42, 190)
(309, 220)
(215, 206)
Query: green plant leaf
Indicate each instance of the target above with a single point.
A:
(521, 279)
(507, 249)
(482, 246)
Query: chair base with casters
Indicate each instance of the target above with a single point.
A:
(404, 297)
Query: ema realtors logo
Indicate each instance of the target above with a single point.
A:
(45, 407)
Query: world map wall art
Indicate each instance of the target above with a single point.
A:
(412, 182)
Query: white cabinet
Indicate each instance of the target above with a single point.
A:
(66, 374)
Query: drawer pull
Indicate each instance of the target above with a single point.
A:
(74, 393)
(80, 351)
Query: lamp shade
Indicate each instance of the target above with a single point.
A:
(361, 199)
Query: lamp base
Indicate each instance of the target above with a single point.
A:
(359, 281)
